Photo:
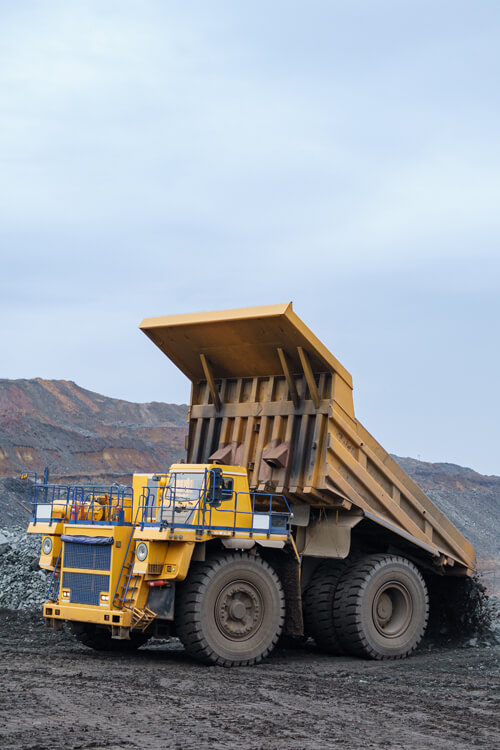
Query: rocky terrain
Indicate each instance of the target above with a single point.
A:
(81, 435)
(469, 499)
(472, 502)
(23, 585)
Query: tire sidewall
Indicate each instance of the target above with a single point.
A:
(271, 597)
(408, 640)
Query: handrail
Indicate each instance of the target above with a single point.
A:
(173, 512)
(51, 503)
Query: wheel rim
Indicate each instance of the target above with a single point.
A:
(239, 610)
(392, 609)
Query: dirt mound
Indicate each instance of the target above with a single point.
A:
(84, 435)
(23, 585)
(461, 612)
(472, 503)
(14, 502)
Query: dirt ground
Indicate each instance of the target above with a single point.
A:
(55, 694)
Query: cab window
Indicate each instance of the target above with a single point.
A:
(227, 488)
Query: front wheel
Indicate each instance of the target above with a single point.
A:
(230, 610)
(381, 607)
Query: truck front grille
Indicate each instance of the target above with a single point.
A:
(85, 587)
(87, 556)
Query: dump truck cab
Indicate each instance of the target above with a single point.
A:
(116, 554)
(191, 495)
(205, 500)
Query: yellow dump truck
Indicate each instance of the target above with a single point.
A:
(287, 518)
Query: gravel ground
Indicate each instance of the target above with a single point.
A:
(57, 695)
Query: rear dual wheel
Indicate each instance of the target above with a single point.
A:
(230, 610)
(376, 607)
(318, 606)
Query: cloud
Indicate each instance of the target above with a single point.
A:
(161, 157)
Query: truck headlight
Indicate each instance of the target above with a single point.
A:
(141, 551)
(47, 545)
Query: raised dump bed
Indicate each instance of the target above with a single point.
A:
(267, 395)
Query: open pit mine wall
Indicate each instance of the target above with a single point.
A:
(81, 435)
(269, 396)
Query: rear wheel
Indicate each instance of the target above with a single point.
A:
(99, 638)
(381, 607)
(318, 606)
(230, 610)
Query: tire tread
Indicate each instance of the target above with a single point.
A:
(189, 603)
(347, 605)
(318, 606)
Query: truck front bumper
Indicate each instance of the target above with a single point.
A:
(78, 613)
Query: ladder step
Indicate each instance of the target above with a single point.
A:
(141, 618)
(129, 589)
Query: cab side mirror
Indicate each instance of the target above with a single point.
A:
(215, 487)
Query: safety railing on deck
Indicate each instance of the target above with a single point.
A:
(209, 508)
(81, 504)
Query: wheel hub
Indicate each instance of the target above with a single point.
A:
(392, 609)
(384, 608)
(238, 610)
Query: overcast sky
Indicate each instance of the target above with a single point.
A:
(166, 157)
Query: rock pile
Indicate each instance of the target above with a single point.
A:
(13, 495)
(462, 614)
(22, 584)
(494, 610)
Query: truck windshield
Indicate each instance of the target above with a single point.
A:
(184, 487)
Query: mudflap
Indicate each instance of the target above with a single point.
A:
(161, 600)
